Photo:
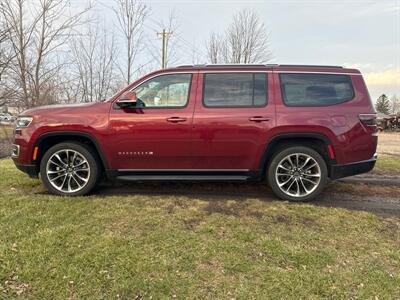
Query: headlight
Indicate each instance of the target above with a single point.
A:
(23, 122)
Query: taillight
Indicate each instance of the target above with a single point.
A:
(367, 119)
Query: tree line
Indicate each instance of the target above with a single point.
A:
(51, 52)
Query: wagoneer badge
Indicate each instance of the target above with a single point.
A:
(141, 153)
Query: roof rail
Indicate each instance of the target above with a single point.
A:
(190, 66)
(254, 66)
(224, 66)
(315, 66)
(235, 65)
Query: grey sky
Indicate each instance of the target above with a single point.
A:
(362, 34)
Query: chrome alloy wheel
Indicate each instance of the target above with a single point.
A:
(68, 171)
(298, 174)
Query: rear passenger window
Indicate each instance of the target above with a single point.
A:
(315, 89)
(235, 89)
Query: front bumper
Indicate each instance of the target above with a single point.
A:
(359, 167)
(31, 170)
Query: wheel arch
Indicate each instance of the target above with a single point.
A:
(49, 139)
(316, 141)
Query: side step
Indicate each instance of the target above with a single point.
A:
(184, 177)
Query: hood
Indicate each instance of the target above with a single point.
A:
(60, 108)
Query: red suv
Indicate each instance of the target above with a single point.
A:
(296, 126)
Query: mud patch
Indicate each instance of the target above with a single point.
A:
(235, 209)
(191, 223)
(170, 208)
(393, 229)
(281, 219)
(298, 220)
(255, 214)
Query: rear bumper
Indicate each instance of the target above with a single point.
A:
(31, 170)
(359, 167)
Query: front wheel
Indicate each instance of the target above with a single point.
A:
(297, 174)
(69, 169)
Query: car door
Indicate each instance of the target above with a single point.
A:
(233, 119)
(156, 135)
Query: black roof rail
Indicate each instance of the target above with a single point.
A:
(235, 65)
(224, 66)
(190, 66)
(255, 66)
(315, 66)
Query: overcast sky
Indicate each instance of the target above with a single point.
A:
(358, 33)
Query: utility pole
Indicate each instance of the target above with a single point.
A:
(164, 36)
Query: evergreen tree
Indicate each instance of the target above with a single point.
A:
(382, 104)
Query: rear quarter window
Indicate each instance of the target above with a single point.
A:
(316, 89)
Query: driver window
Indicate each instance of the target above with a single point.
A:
(171, 90)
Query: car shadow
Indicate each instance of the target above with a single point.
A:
(242, 191)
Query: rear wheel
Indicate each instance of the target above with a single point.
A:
(69, 169)
(297, 174)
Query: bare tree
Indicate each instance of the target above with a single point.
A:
(52, 32)
(6, 56)
(38, 34)
(215, 48)
(245, 41)
(94, 59)
(395, 104)
(131, 15)
(19, 35)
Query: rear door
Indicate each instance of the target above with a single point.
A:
(233, 118)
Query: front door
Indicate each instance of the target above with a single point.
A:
(156, 135)
(233, 119)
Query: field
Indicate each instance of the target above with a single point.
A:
(389, 144)
(220, 241)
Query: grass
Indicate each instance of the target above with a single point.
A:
(152, 246)
(387, 164)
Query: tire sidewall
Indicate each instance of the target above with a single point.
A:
(83, 150)
(279, 155)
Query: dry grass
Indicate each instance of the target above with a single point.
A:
(389, 144)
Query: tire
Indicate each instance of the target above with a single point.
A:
(71, 181)
(297, 180)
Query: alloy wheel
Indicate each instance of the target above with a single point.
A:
(68, 171)
(298, 174)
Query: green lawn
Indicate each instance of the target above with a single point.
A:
(152, 247)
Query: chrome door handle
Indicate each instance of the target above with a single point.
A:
(176, 119)
(259, 119)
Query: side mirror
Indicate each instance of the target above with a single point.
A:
(128, 99)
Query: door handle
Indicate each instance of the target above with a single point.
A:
(259, 119)
(176, 119)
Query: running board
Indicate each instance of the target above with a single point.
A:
(184, 177)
